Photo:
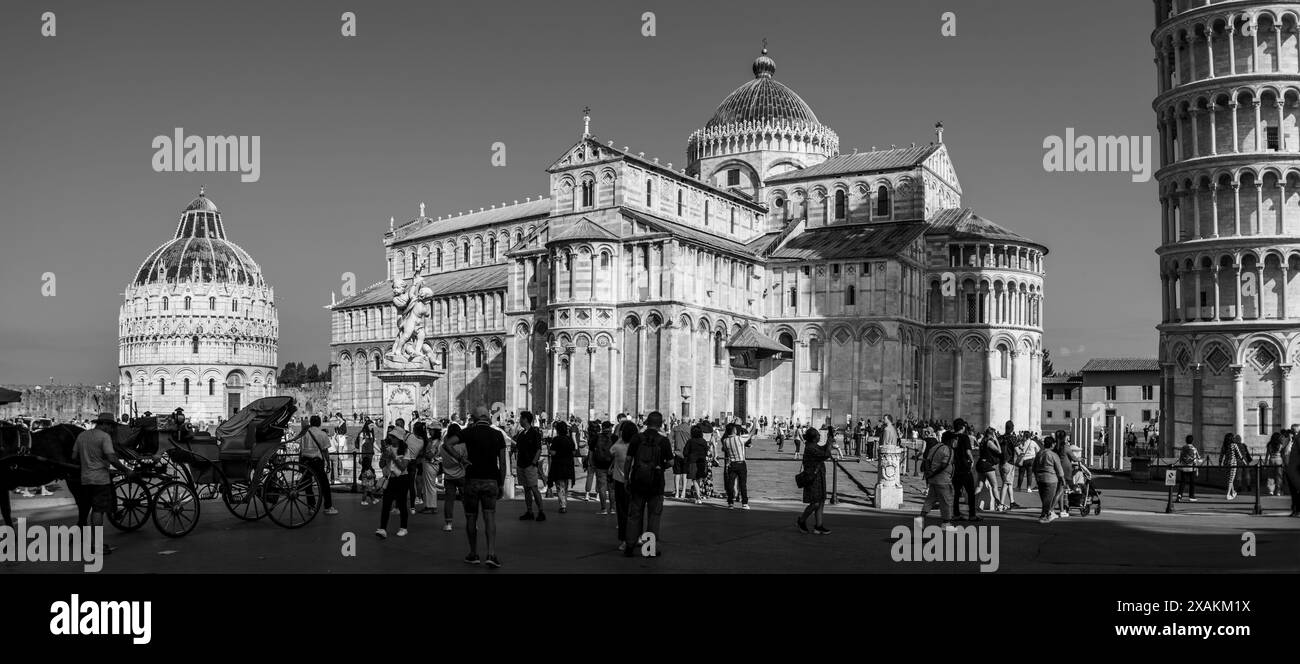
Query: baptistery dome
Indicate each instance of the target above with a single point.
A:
(763, 100)
(198, 327)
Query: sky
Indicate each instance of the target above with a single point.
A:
(354, 130)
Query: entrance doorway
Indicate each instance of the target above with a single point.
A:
(233, 398)
(742, 398)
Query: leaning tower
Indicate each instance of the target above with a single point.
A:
(1229, 88)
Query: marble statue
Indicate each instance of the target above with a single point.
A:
(413, 302)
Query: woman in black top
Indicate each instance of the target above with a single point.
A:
(816, 452)
(695, 455)
(562, 456)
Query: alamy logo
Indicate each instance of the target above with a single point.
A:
(208, 154)
(53, 544)
(935, 544)
(1101, 154)
(93, 618)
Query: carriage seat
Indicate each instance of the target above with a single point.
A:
(237, 454)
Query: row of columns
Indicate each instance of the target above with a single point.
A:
(1172, 77)
(1171, 141)
(987, 255)
(1175, 220)
(1176, 306)
(1172, 437)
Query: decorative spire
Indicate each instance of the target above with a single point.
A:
(764, 67)
(586, 121)
(421, 210)
(938, 130)
(202, 191)
(391, 221)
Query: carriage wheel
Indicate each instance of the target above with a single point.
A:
(132, 505)
(242, 502)
(176, 509)
(292, 494)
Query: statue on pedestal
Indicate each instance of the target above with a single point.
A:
(414, 306)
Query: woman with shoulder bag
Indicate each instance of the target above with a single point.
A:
(986, 468)
(562, 458)
(429, 470)
(816, 452)
(1028, 450)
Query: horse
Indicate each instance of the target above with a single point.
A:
(45, 458)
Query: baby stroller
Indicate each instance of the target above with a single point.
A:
(372, 488)
(1082, 495)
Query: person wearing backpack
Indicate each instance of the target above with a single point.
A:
(648, 455)
(696, 452)
(618, 472)
(602, 457)
(937, 468)
(736, 473)
(986, 467)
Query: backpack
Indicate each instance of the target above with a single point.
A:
(645, 465)
(601, 455)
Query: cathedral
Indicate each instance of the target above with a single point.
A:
(769, 274)
(198, 327)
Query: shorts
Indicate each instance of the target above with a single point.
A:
(481, 492)
(602, 481)
(1007, 472)
(100, 497)
(528, 477)
(451, 485)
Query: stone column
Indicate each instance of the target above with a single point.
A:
(1017, 393)
(615, 384)
(1238, 402)
(1196, 296)
(889, 485)
(1259, 291)
(1214, 129)
(589, 413)
(554, 379)
(1287, 414)
(857, 381)
(989, 372)
(1236, 209)
(640, 369)
(1035, 391)
(1236, 126)
(669, 390)
(568, 382)
(956, 382)
(1166, 407)
(1237, 313)
(1259, 125)
(1259, 208)
(1281, 314)
(1196, 141)
(1214, 276)
(1198, 404)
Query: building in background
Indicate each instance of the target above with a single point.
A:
(1122, 387)
(770, 274)
(198, 327)
(62, 402)
(1227, 107)
(1061, 398)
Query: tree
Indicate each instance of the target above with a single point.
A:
(289, 375)
(1048, 370)
(302, 374)
(313, 374)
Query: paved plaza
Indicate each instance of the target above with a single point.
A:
(1132, 534)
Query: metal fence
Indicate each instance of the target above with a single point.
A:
(1216, 476)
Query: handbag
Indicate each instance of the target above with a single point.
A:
(803, 479)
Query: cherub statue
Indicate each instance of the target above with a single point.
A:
(414, 305)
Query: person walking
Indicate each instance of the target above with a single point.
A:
(1050, 475)
(859, 431)
(454, 461)
(986, 468)
(736, 474)
(680, 434)
(1026, 451)
(963, 476)
(937, 469)
(528, 453)
(816, 452)
(1007, 444)
(623, 439)
(696, 453)
(401, 449)
(562, 457)
(93, 450)
(601, 459)
(780, 436)
(488, 461)
(1291, 463)
(312, 452)
(1188, 458)
(1230, 458)
(648, 456)
(1273, 459)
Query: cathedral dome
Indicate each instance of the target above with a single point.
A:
(763, 100)
(200, 252)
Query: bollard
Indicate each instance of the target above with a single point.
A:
(835, 477)
(1169, 506)
(1259, 509)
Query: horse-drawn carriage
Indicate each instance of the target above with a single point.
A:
(248, 464)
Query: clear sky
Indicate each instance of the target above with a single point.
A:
(355, 130)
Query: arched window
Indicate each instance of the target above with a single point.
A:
(492, 248)
(519, 238)
(187, 387)
(166, 304)
(588, 193)
(212, 386)
(234, 304)
(851, 295)
(162, 386)
(187, 303)
(719, 349)
(438, 257)
(604, 261)
(794, 297)
(649, 192)
(378, 359)
(194, 344)
(442, 358)
(787, 341)
(884, 207)
(840, 204)
(467, 253)
(1263, 419)
(815, 355)
(478, 358)
(212, 303)
(1004, 361)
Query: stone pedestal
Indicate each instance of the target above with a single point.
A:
(889, 485)
(407, 391)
